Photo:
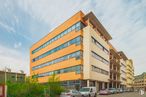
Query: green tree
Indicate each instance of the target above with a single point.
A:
(54, 86)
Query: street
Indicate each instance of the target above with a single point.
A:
(131, 94)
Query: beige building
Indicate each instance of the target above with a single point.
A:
(11, 76)
(140, 81)
(96, 53)
(123, 77)
(129, 73)
(114, 68)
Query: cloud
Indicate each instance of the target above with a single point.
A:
(17, 45)
(123, 19)
(7, 27)
(13, 59)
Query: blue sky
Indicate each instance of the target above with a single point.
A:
(23, 22)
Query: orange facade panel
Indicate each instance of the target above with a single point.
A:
(75, 18)
(64, 64)
(58, 54)
(58, 42)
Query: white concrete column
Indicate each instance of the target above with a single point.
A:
(88, 83)
(97, 85)
(103, 85)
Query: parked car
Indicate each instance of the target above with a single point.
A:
(120, 90)
(112, 90)
(88, 91)
(104, 92)
(71, 93)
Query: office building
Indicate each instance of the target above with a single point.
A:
(129, 73)
(114, 68)
(123, 76)
(140, 81)
(77, 51)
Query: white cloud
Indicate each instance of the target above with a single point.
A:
(17, 45)
(7, 27)
(13, 59)
(124, 20)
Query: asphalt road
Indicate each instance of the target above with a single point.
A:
(131, 94)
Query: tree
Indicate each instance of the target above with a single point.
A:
(54, 86)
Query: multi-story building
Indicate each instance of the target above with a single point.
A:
(114, 68)
(123, 76)
(140, 81)
(77, 51)
(129, 73)
(11, 76)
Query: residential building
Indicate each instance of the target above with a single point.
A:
(114, 68)
(140, 81)
(77, 51)
(11, 76)
(129, 73)
(123, 72)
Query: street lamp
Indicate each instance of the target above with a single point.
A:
(9, 70)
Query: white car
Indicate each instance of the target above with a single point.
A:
(71, 93)
(88, 91)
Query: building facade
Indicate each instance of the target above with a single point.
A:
(77, 51)
(140, 81)
(123, 72)
(114, 68)
(11, 76)
(130, 73)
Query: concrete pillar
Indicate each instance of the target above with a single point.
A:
(108, 85)
(112, 84)
(97, 85)
(88, 83)
(103, 85)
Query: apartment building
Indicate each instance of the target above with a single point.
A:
(129, 73)
(77, 51)
(114, 68)
(140, 81)
(11, 76)
(123, 76)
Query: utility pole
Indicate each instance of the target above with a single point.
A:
(5, 74)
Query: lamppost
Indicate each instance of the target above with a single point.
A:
(9, 70)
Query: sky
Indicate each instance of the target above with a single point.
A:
(24, 22)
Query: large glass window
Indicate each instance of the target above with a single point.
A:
(77, 26)
(66, 57)
(73, 41)
(98, 57)
(99, 45)
(99, 70)
(76, 69)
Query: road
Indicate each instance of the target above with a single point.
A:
(131, 94)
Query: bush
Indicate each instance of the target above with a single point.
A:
(30, 88)
(54, 86)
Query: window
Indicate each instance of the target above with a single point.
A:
(76, 69)
(77, 26)
(99, 70)
(73, 41)
(66, 57)
(99, 45)
(98, 57)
